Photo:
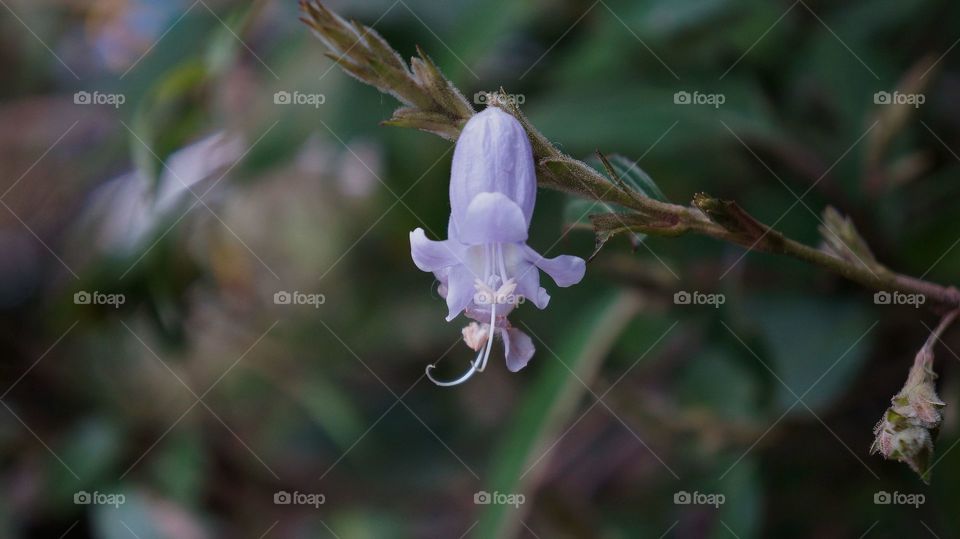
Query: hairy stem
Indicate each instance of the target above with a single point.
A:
(880, 280)
(433, 104)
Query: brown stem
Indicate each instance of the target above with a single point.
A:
(878, 279)
(945, 322)
(435, 105)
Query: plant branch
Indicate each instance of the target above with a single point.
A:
(433, 104)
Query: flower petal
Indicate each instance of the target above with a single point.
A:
(565, 270)
(492, 154)
(459, 290)
(441, 276)
(518, 348)
(528, 285)
(431, 255)
(492, 218)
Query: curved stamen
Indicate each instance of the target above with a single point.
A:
(466, 376)
(489, 345)
(493, 263)
(478, 364)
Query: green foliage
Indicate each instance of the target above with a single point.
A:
(313, 199)
(815, 351)
(623, 174)
(548, 405)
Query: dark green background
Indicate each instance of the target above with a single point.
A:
(312, 206)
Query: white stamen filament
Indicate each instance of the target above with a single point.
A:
(503, 268)
(493, 262)
(478, 364)
(489, 346)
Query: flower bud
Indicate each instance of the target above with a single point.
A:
(911, 422)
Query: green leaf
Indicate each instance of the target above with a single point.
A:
(811, 345)
(223, 46)
(612, 120)
(330, 407)
(92, 449)
(180, 464)
(629, 173)
(168, 117)
(742, 508)
(724, 387)
(548, 406)
(623, 173)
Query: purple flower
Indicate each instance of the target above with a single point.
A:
(485, 267)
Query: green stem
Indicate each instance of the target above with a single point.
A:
(435, 105)
(878, 279)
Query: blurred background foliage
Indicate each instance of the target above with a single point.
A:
(199, 198)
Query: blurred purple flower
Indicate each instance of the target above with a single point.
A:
(485, 267)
